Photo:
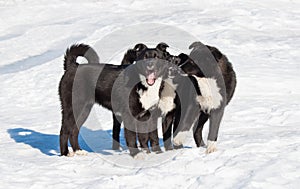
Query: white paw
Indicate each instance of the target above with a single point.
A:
(211, 147)
(180, 138)
(140, 156)
(71, 154)
(81, 152)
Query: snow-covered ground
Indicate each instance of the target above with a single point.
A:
(259, 140)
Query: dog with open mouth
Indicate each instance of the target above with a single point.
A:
(150, 88)
(83, 85)
(195, 88)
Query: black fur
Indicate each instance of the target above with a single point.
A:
(79, 50)
(186, 63)
(138, 53)
(191, 68)
(82, 86)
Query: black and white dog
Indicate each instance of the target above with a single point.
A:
(200, 96)
(158, 92)
(135, 89)
(210, 84)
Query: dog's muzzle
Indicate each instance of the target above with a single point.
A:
(150, 77)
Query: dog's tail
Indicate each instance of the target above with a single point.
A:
(79, 50)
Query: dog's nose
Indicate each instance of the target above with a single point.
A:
(150, 65)
(172, 71)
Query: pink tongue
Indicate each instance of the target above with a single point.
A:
(151, 79)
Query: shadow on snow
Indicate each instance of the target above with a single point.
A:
(98, 141)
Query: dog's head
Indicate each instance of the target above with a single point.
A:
(151, 63)
(185, 63)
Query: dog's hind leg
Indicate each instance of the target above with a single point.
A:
(68, 123)
(80, 119)
(198, 129)
(116, 132)
(74, 139)
(63, 137)
(214, 124)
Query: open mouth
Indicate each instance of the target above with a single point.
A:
(150, 78)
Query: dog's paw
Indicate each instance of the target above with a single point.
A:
(170, 147)
(139, 156)
(211, 147)
(176, 147)
(180, 138)
(71, 154)
(81, 152)
(116, 146)
(146, 150)
(202, 144)
(156, 149)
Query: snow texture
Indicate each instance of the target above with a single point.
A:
(259, 137)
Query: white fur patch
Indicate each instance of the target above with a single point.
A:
(81, 152)
(71, 154)
(150, 97)
(211, 146)
(140, 156)
(180, 138)
(78, 152)
(210, 94)
(166, 102)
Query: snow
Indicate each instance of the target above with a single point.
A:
(259, 139)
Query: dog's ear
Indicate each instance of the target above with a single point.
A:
(129, 57)
(140, 47)
(162, 46)
(183, 57)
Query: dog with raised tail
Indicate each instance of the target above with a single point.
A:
(201, 96)
(83, 85)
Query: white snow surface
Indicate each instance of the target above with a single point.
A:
(259, 138)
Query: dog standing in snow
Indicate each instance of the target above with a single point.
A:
(202, 94)
(83, 85)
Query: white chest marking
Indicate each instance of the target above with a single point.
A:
(210, 94)
(166, 102)
(150, 97)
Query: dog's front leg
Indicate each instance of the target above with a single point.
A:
(143, 140)
(130, 137)
(143, 131)
(198, 127)
(152, 130)
(154, 141)
(167, 130)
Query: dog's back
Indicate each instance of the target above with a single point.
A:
(227, 71)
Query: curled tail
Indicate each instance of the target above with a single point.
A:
(79, 50)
